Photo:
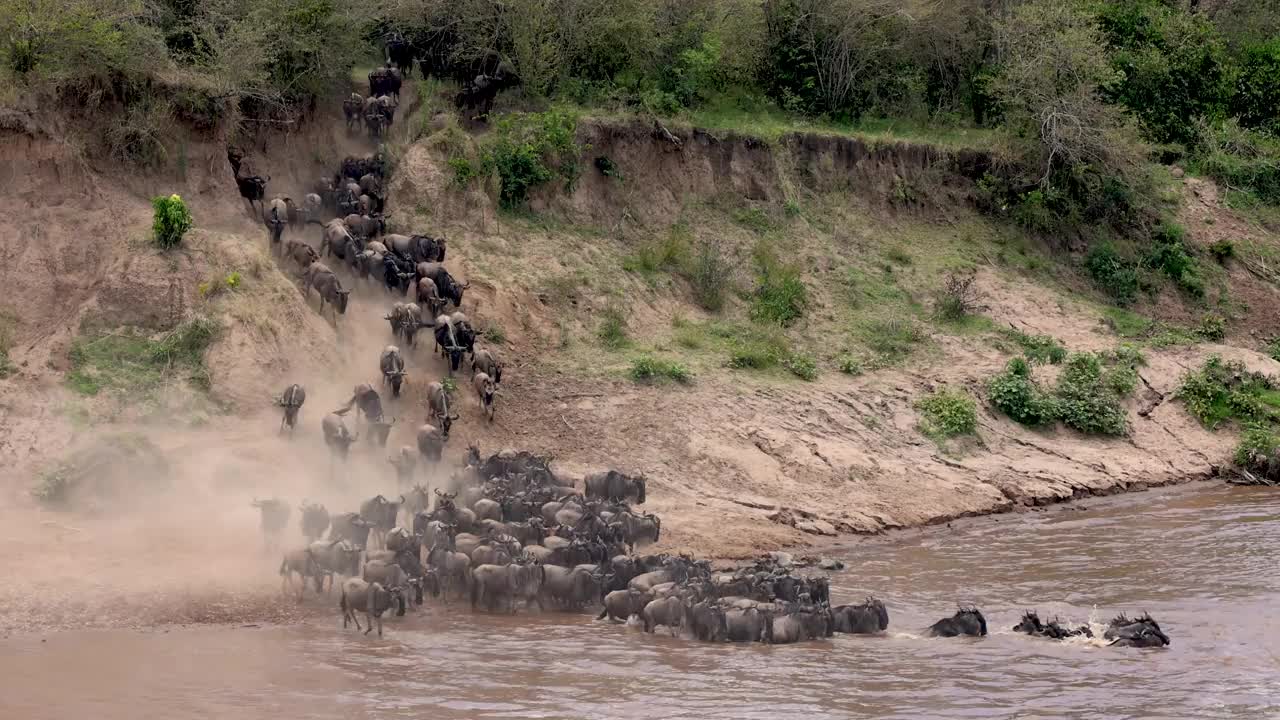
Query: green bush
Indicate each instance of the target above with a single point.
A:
(172, 221)
(135, 365)
(1112, 273)
(958, 297)
(1273, 349)
(1041, 348)
(850, 365)
(709, 273)
(495, 334)
(1222, 250)
(648, 368)
(802, 365)
(529, 149)
(1087, 396)
(1257, 90)
(464, 171)
(947, 413)
(1169, 254)
(1212, 327)
(1014, 393)
(1221, 391)
(780, 296)
(1259, 452)
(891, 340)
(613, 328)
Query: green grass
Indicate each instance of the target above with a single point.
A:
(1042, 349)
(891, 340)
(1087, 397)
(612, 331)
(647, 368)
(135, 365)
(947, 413)
(666, 253)
(802, 365)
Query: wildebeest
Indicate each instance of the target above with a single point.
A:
(274, 517)
(638, 529)
(301, 563)
(449, 512)
(869, 617)
(301, 253)
(365, 227)
(336, 435)
(405, 320)
(449, 288)
(326, 284)
(620, 605)
(799, 624)
(336, 557)
(381, 514)
(966, 621)
(521, 580)
(416, 500)
(391, 576)
(746, 625)
(476, 98)
(392, 365)
(372, 598)
(570, 588)
(614, 486)
(668, 612)
(487, 362)
(706, 621)
(276, 215)
(405, 462)
(486, 392)
(291, 400)
(350, 526)
(1141, 631)
(1031, 625)
(315, 520)
(429, 297)
(253, 189)
(366, 401)
(400, 52)
(338, 240)
(438, 408)
(452, 567)
(351, 109)
(430, 443)
(384, 81)
(312, 207)
(449, 342)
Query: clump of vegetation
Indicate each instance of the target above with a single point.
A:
(217, 285)
(132, 364)
(753, 348)
(1273, 349)
(849, 365)
(449, 385)
(958, 297)
(891, 340)
(172, 221)
(647, 368)
(802, 365)
(464, 171)
(494, 333)
(529, 149)
(612, 331)
(1014, 393)
(1170, 255)
(780, 296)
(1222, 391)
(709, 273)
(1222, 250)
(947, 413)
(1042, 349)
(1259, 452)
(1212, 327)
(1113, 273)
(6, 365)
(669, 252)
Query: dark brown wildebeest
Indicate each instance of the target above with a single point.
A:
(276, 216)
(253, 189)
(327, 286)
(429, 297)
(291, 400)
(315, 520)
(351, 109)
(614, 486)
(391, 362)
(438, 408)
(350, 526)
(966, 621)
(275, 517)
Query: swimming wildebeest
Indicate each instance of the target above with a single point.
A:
(326, 284)
(1141, 631)
(392, 365)
(966, 621)
(1031, 625)
(372, 598)
(291, 400)
(867, 618)
(438, 408)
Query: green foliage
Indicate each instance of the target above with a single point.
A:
(134, 365)
(612, 331)
(495, 334)
(1170, 255)
(1222, 391)
(6, 365)
(710, 274)
(891, 340)
(1014, 393)
(1112, 273)
(1174, 68)
(648, 368)
(850, 365)
(947, 413)
(958, 297)
(529, 149)
(172, 221)
(1222, 250)
(1040, 348)
(449, 384)
(1248, 162)
(754, 348)
(780, 296)
(1257, 90)
(669, 252)
(802, 365)
(1259, 451)
(1212, 327)
(1273, 349)
(464, 171)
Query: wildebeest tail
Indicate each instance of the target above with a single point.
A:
(603, 613)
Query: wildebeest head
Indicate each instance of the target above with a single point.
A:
(1030, 624)
(340, 300)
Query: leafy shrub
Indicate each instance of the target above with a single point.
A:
(1222, 250)
(802, 365)
(449, 384)
(850, 365)
(1259, 452)
(709, 273)
(752, 347)
(1112, 273)
(780, 296)
(958, 297)
(1041, 348)
(613, 328)
(947, 413)
(1273, 349)
(172, 221)
(1212, 327)
(648, 368)
(522, 147)
(1088, 398)
(1014, 393)
(1225, 390)
(464, 171)
(1169, 254)
(1257, 90)
(495, 334)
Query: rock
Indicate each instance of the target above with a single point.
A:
(1178, 172)
(829, 564)
(816, 527)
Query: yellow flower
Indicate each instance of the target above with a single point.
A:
(175, 197)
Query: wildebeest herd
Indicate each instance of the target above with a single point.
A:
(508, 533)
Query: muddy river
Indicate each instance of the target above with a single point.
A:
(1202, 561)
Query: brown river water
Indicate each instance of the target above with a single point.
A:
(1202, 560)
